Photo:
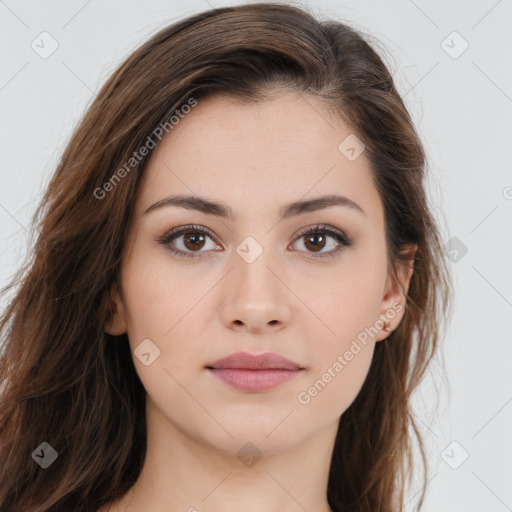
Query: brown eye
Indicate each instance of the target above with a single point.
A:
(194, 239)
(316, 239)
(315, 242)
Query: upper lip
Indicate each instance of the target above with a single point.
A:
(244, 360)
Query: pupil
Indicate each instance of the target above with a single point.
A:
(315, 243)
(193, 238)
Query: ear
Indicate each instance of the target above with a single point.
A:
(395, 293)
(116, 325)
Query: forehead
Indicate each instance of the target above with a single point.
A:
(258, 155)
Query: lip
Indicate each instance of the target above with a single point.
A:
(247, 361)
(254, 373)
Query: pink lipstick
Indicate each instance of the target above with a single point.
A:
(254, 373)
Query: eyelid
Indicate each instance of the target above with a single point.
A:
(326, 228)
(189, 228)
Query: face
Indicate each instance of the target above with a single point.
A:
(309, 284)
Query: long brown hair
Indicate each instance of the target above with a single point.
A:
(67, 383)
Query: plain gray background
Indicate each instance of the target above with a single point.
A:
(461, 101)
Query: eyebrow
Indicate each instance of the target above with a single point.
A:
(218, 209)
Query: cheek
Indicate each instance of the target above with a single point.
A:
(348, 300)
(334, 387)
(163, 305)
(348, 305)
(160, 295)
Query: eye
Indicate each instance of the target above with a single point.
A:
(193, 240)
(316, 238)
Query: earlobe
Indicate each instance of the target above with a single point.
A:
(116, 325)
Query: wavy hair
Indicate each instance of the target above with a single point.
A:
(66, 382)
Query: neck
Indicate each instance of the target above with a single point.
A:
(181, 473)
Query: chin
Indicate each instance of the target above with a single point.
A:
(269, 440)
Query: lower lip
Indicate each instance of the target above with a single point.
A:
(254, 380)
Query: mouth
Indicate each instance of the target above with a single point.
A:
(254, 373)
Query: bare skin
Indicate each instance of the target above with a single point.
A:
(289, 300)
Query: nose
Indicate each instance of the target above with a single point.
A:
(256, 298)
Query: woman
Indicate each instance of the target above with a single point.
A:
(236, 286)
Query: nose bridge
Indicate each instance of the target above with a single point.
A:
(255, 256)
(254, 294)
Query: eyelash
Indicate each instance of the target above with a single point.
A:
(166, 238)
